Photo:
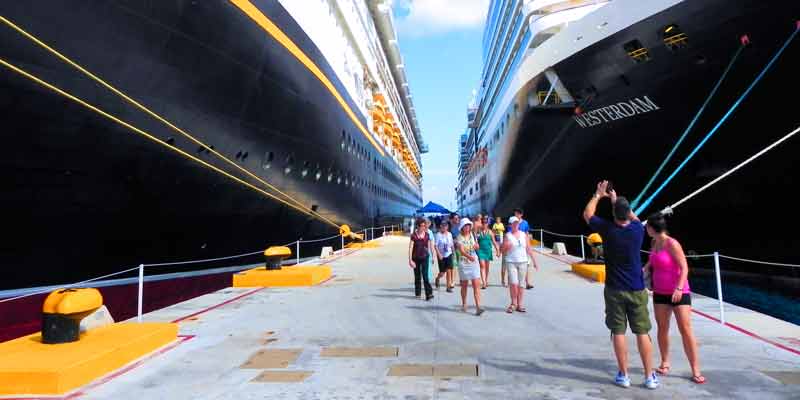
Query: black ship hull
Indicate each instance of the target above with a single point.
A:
(84, 196)
(558, 156)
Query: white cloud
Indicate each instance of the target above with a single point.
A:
(430, 17)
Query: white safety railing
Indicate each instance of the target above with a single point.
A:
(715, 255)
(368, 235)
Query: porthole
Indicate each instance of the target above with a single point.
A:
(330, 177)
(170, 141)
(289, 165)
(238, 154)
(304, 171)
(268, 157)
(318, 175)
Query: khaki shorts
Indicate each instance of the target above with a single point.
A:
(623, 307)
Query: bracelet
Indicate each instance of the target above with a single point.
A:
(679, 288)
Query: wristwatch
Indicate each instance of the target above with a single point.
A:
(596, 196)
(679, 288)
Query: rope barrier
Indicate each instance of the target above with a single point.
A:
(560, 234)
(141, 107)
(163, 264)
(720, 122)
(70, 285)
(761, 262)
(691, 125)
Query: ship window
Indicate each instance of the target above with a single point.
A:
(289, 165)
(170, 141)
(201, 149)
(344, 140)
(636, 51)
(244, 156)
(330, 177)
(674, 38)
(268, 157)
(306, 166)
(318, 175)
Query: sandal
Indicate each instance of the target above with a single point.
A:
(479, 312)
(521, 309)
(510, 309)
(663, 369)
(699, 379)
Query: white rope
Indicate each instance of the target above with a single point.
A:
(560, 234)
(760, 262)
(687, 255)
(69, 286)
(723, 176)
(319, 240)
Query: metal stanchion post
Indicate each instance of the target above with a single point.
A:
(719, 289)
(298, 252)
(541, 239)
(141, 289)
(342, 243)
(583, 252)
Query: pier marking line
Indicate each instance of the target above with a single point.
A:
(82, 391)
(207, 309)
(273, 30)
(728, 324)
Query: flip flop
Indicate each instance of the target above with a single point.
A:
(663, 370)
(521, 309)
(510, 309)
(699, 379)
(479, 312)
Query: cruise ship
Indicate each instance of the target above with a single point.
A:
(573, 92)
(159, 131)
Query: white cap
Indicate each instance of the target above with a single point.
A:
(513, 219)
(464, 222)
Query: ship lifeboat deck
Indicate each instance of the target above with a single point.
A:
(363, 335)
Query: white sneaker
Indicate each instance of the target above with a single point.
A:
(652, 381)
(622, 380)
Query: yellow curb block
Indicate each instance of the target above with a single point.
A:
(595, 272)
(363, 245)
(29, 367)
(299, 275)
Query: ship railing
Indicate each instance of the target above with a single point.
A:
(781, 281)
(368, 234)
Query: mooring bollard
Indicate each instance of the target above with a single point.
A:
(141, 290)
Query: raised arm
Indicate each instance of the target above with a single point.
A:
(591, 206)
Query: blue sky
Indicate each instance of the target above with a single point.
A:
(440, 41)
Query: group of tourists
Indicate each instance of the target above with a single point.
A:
(471, 246)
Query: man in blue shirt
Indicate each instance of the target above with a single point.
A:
(524, 227)
(625, 295)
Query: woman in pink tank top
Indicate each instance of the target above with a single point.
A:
(671, 294)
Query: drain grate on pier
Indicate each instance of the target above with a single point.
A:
(282, 376)
(434, 370)
(356, 352)
(271, 358)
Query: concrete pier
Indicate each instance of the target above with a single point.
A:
(363, 335)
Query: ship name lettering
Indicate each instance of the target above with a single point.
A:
(613, 112)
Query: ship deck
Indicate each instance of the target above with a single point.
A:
(559, 349)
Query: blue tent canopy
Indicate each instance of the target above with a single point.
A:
(433, 208)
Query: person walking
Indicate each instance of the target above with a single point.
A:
(625, 295)
(444, 251)
(487, 246)
(419, 248)
(468, 269)
(499, 232)
(517, 251)
(671, 294)
(523, 227)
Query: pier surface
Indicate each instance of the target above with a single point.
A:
(559, 349)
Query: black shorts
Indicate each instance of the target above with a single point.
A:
(686, 299)
(446, 263)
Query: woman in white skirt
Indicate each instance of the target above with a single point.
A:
(516, 250)
(468, 267)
